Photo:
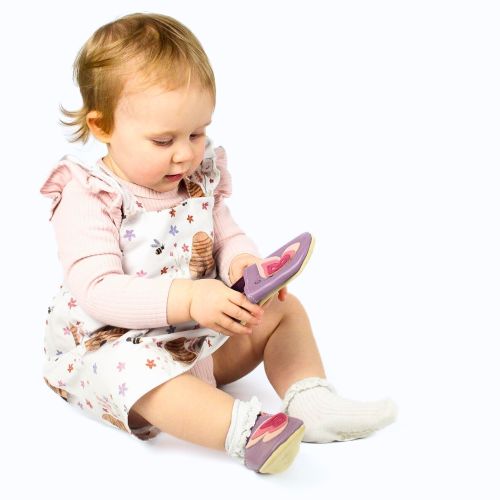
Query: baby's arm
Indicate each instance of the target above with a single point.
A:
(88, 242)
(179, 301)
(230, 241)
(90, 253)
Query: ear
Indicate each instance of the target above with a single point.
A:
(93, 119)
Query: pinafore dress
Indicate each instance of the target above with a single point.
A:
(103, 370)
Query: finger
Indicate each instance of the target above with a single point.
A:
(240, 314)
(240, 300)
(220, 329)
(233, 326)
(235, 276)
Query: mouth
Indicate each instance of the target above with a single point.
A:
(173, 178)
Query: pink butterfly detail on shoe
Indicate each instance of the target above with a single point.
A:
(268, 429)
(270, 265)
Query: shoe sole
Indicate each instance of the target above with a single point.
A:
(304, 263)
(283, 456)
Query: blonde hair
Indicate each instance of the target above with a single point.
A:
(156, 47)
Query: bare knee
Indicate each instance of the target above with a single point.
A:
(181, 407)
(285, 309)
(291, 301)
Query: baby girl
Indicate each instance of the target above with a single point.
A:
(146, 329)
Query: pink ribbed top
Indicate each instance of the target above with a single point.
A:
(87, 233)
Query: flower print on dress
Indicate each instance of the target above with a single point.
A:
(150, 363)
(129, 234)
(179, 259)
(57, 390)
(122, 388)
(76, 330)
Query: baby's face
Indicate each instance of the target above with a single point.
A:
(159, 133)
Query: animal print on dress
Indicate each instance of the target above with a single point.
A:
(109, 409)
(113, 420)
(101, 336)
(76, 331)
(185, 350)
(194, 189)
(202, 260)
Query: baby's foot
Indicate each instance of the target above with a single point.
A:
(273, 443)
(328, 417)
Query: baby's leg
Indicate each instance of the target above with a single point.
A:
(189, 409)
(193, 410)
(285, 341)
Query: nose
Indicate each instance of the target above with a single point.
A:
(184, 152)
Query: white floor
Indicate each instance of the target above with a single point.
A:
(440, 447)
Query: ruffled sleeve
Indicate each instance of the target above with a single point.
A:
(67, 171)
(86, 217)
(225, 187)
(229, 239)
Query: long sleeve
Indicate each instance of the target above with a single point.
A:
(88, 243)
(86, 216)
(230, 239)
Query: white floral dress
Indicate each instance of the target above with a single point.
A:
(104, 370)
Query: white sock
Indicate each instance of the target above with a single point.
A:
(243, 418)
(328, 417)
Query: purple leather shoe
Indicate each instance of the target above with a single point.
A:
(273, 443)
(261, 281)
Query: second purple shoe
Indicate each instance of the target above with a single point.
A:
(273, 443)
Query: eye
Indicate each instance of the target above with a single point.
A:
(162, 143)
(169, 143)
(195, 136)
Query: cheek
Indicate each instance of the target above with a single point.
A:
(200, 153)
(126, 147)
(157, 162)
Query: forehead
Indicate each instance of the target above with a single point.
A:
(160, 106)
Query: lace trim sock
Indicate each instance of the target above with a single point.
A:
(243, 418)
(328, 417)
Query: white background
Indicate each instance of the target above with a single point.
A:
(372, 124)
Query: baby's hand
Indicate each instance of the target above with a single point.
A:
(214, 305)
(238, 265)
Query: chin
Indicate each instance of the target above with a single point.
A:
(165, 188)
